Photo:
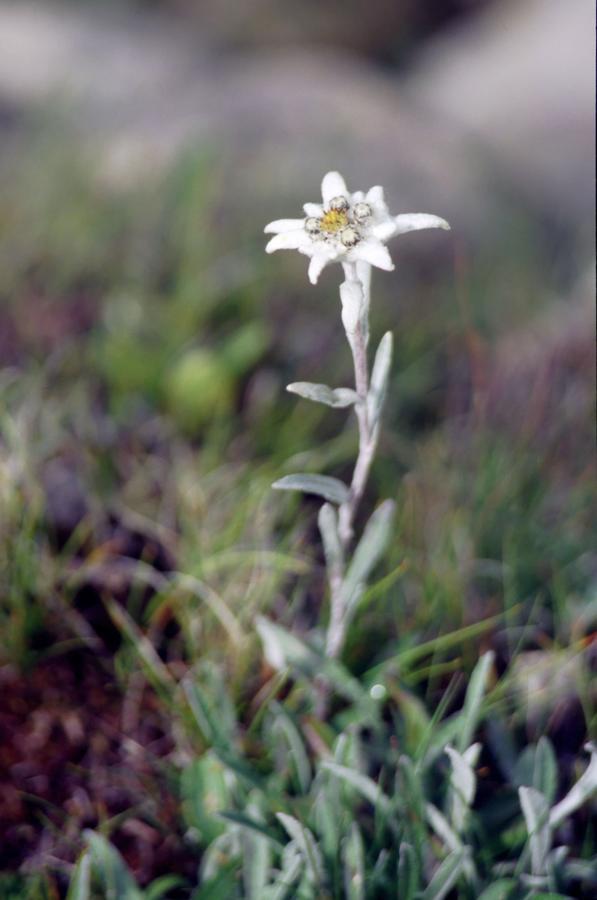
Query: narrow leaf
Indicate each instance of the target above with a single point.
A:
(408, 872)
(284, 725)
(321, 393)
(331, 489)
(80, 885)
(379, 379)
(250, 824)
(583, 790)
(257, 860)
(446, 876)
(332, 548)
(354, 865)
(536, 816)
(361, 783)
(462, 784)
(370, 548)
(282, 649)
(545, 776)
(307, 845)
(160, 886)
(442, 828)
(499, 890)
(117, 879)
(292, 867)
(472, 703)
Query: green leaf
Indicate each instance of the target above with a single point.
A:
(283, 725)
(326, 814)
(446, 876)
(545, 776)
(536, 816)
(118, 881)
(321, 393)
(472, 703)
(463, 783)
(331, 489)
(379, 379)
(292, 866)
(412, 789)
(499, 890)
(408, 872)
(537, 767)
(369, 549)
(307, 845)
(332, 547)
(204, 794)
(245, 821)
(361, 783)
(543, 896)
(160, 886)
(221, 886)
(208, 722)
(80, 885)
(353, 854)
(282, 649)
(442, 828)
(257, 859)
(220, 864)
(583, 790)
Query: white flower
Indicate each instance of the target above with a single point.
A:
(345, 228)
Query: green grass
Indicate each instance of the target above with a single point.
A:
(146, 366)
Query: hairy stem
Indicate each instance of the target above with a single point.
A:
(367, 444)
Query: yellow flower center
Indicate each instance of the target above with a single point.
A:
(333, 220)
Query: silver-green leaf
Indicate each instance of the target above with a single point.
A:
(331, 489)
(80, 884)
(332, 547)
(379, 379)
(361, 783)
(307, 845)
(472, 703)
(353, 853)
(583, 790)
(369, 549)
(321, 393)
(536, 815)
(446, 876)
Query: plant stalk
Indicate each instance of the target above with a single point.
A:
(368, 436)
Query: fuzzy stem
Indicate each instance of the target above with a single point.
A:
(367, 436)
(336, 633)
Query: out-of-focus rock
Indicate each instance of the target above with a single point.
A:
(519, 82)
(140, 92)
(497, 115)
(387, 30)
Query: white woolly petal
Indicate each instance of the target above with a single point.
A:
(283, 225)
(318, 263)
(384, 230)
(333, 185)
(416, 221)
(358, 196)
(376, 194)
(313, 209)
(373, 252)
(288, 240)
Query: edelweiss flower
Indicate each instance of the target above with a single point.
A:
(346, 228)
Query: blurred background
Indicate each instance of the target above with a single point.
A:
(146, 340)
